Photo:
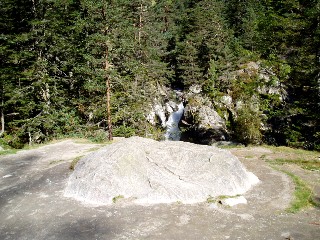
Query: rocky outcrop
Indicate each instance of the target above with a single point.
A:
(252, 89)
(205, 125)
(266, 83)
(145, 171)
(167, 116)
(200, 122)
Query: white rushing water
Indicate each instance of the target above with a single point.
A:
(173, 132)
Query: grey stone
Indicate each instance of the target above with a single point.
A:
(157, 110)
(195, 88)
(145, 171)
(209, 118)
(207, 125)
(227, 143)
(286, 235)
(234, 201)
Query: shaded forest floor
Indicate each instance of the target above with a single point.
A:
(32, 205)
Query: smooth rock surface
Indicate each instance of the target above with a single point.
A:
(145, 171)
(32, 205)
(234, 201)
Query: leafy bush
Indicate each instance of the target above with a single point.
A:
(154, 132)
(247, 127)
(98, 135)
(74, 163)
(124, 131)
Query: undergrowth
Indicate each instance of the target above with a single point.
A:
(312, 165)
(303, 195)
(117, 198)
(308, 160)
(74, 162)
(8, 151)
(293, 152)
(5, 149)
(211, 199)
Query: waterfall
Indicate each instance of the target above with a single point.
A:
(173, 132)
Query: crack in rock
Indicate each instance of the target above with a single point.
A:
(147, 171)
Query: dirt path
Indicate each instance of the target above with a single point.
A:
(32, 205)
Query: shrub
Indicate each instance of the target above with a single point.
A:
(124, 131)
(247, 127)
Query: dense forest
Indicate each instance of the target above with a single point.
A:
(65, 63)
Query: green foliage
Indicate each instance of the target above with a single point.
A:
(154, 132)
(97, 136)
(312, 165)
(117, 198)
(3, 143)
(302, 196)
(53, 58)
(218, 199)
(247, 127)
(123, 131)
(306, 159)
(55, 162)
(74, 163)
(8, 151)
(316, 143)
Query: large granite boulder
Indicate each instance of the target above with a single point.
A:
(145, 171)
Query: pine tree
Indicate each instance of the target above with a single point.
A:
(290, 30)
(67, 66)
(14, 23)
(206, 40)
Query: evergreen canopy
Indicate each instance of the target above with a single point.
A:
(56, 56)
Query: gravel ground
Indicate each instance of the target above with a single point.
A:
(32, 205)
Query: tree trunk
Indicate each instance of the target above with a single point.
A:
(2, 121)
(2, 112)
(107, 65)
(140, 25)
(108, 109)
(108, 87)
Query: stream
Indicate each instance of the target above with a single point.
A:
(173, 132)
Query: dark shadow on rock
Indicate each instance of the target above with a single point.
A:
(203, 136)
(30, 183)
(83, 228)
(15, 168)
(59, 228)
